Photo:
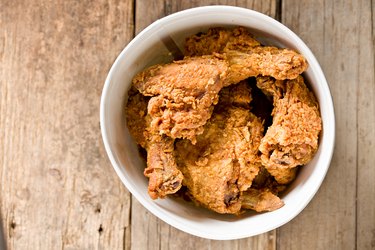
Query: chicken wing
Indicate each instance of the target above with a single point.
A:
(246, 56)
(184, 92)
(224, 161)
(164, 176)
(292, 139)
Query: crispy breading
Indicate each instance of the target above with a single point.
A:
(224, 161)
(217, 40)
(184, 92)
(264, 61)
(164, 176)
(193, 118)
(292, 139)
(260, 200)
(246, 56)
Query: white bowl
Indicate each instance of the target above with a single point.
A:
(147, 49)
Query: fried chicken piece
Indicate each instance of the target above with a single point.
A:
(292, 139)
(264, 61)
(283, 175)
(184, 92)
(218, 40)
(224, 161)
(264, 180)
(246, 56)
(263, 194)
(239, 96)
(261, 200)
(164, 176)
(136, 114)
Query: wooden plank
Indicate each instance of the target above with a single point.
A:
(333, 30)
(366, 130)
(159, 9)
(58, 190)
(159, 234)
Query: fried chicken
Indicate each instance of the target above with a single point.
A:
(164, 176)
(265, 181)
(292, 139)
(137, 118)
(262, 195)
(193, 116)
(246, 56)
(218, 40)
(262, 200)
(184, 92)
(224, 161)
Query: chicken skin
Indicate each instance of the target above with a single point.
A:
(164, 176)
(292, 139)
(218, 40)
(196, 119)
(246, 56)
(224, 160)
(261, 200)
(183, 93)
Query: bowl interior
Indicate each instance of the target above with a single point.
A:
(151, 47)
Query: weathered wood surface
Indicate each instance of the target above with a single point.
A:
(57, 188)
(342, 215)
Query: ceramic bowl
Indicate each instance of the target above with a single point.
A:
(148, 48)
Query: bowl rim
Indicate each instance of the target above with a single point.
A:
(325, 95)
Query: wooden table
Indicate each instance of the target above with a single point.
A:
(58, 189)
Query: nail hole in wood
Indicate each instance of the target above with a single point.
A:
(98, 208)
(100, 230)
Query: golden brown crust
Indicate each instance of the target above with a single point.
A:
(136, 113)
(224, 161)
(292, 140)
(246, 56)
(217, 153)
(164, 177)
(264, 61)
(218, 40)
(261, 200)
(184, 92)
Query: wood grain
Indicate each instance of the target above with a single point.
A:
(365, 216)
(340, 35)
(58, 190)
(161, 235)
